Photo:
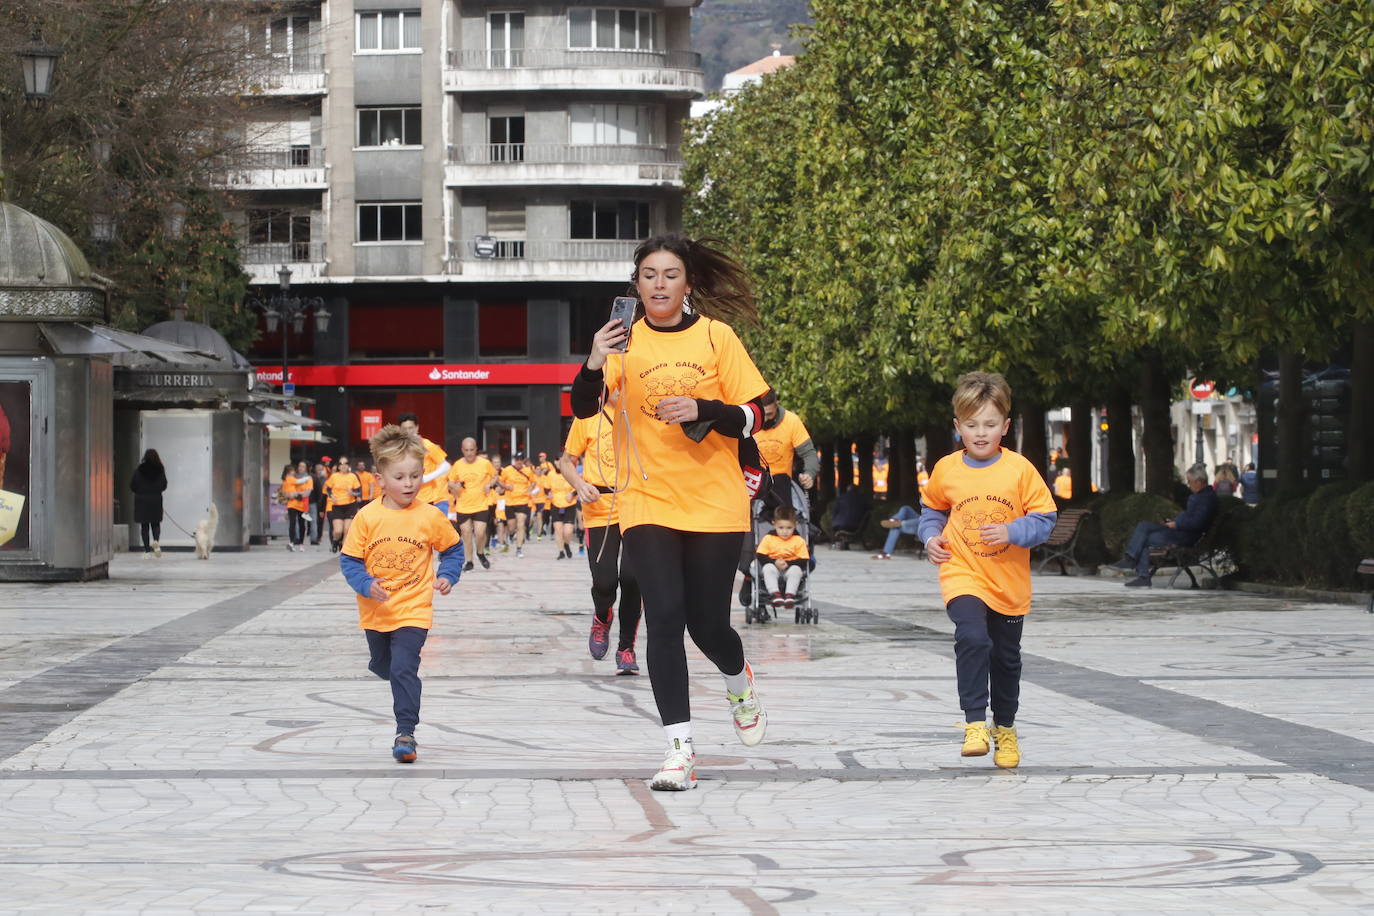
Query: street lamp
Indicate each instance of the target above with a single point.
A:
(283, 308)
(39, 61)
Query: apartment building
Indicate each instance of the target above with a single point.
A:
(463, 182)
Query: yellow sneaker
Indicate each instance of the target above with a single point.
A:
(975, 739)
(1008, 752)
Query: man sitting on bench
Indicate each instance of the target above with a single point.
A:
(848, 515)
(1183, 530)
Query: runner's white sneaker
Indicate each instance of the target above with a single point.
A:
(678, 773)
(747, 711)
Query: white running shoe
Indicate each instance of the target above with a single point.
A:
(678, 773)
(747, 711)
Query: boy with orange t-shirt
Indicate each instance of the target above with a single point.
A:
(386, 558)
(783, 556)
(983, 510)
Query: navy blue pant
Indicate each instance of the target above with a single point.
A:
(396, 658)
(987, 659)
(1153, 534)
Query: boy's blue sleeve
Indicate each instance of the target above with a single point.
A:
(355, 572)
(1031, 530)
(451, 563)
(932, 522)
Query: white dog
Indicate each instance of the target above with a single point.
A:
(205, 533)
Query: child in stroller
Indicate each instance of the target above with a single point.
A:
(781, 564)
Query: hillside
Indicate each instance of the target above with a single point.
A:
(732, 33)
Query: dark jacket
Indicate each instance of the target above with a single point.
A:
(1197, 515)
(148, 484)
(317, 492)
(849, 509)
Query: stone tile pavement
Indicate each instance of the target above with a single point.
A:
(203, 737)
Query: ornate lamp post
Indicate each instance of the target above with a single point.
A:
(284, 308)
(38, 61)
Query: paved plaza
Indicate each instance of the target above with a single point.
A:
(203, 737)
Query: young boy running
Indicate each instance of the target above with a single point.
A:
(982, 510)
(386, 558)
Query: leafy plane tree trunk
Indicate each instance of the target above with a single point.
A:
(1290, 422)
(1360, 431)
(1157, 434)
(1120, 449)
(1081, 449)
(1035, 438)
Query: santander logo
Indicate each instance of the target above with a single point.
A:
(438, 374)
(435, 375)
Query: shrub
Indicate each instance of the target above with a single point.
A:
(1331, 559)
(1118, 517)
(1359, 520)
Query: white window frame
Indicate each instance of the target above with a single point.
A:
(379, 204)
(640, 15)
(400, 26)
(358, 126)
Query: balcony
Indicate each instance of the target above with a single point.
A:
(262, 261)
(563, 164)
(675, 73)
(299, 74)
(293, 169)
(594, 260)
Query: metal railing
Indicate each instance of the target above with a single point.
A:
(282, 252)
(542, 250)
(572, 153)
(296, 157)
(549, 58)
(285, 65)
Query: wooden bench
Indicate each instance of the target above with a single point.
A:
(1202, 554)
(1063, 536)
(1366, 568)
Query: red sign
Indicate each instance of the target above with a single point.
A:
(371, 422)
(1202, 390)
(424, 374)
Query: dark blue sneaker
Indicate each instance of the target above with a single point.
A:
(625, 662)
(404, 749)
(600, 639)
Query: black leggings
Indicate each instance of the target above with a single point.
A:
(685, 578)
(295, 525)
(157, 534)
(607, 573)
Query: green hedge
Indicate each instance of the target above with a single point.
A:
(1118, 516)
(1359, 520)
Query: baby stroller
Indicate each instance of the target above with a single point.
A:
(760, 606)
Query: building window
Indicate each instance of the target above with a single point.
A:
(503, 329)
(389, 126)
(381, 32)
(608, 219)
(611, 29)
(608, 124)
(389, 222)
(505, 39)
(506, 138)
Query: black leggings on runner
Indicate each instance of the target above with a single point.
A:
(685, 578)
(607, 573)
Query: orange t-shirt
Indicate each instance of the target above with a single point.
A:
(599, 464)
(474, 475)
(690, 486)
(369, 482)
(544, 473)
(778, 445)
(561, 492)
(396, 547)
(436, 491)
(297, 492)
(1000, 493)
(517, 483)
(341, 487)
(1063, 486)
(789, 549)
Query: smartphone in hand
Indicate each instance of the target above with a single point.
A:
(623, 308)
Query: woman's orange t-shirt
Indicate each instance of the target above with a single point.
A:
(778, 446)
(593, 439)
(436, 490)
(369, 482)
(396, 547)
(668, 479)
(297, 492)
(341, 487)
(997, 494)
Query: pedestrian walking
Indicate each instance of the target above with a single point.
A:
(148, 484)
(689, 395)
(985, 507)
(387, 558)
(319, 499)
(593, 440)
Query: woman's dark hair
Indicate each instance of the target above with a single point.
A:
(720, 285)
(151, 462)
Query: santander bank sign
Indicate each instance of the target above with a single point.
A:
(423, 374)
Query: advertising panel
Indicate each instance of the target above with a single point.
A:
(16, 461)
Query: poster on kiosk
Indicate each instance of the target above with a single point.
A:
(16, 407)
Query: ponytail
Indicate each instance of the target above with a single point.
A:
(721, 288)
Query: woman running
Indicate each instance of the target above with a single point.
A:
(689, 393)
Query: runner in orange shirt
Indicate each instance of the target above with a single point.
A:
(689, 395)
(517, 481)
(369, 481)
(470, 480)
(563, 513)
(344, 487)
(435, 488)
(496, 507)
(296, 484)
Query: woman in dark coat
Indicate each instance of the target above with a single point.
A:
(148, 483)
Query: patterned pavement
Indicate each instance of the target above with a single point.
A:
(203, 737)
